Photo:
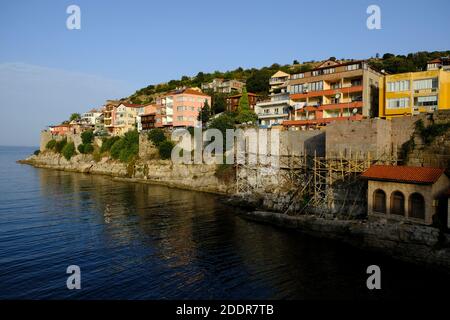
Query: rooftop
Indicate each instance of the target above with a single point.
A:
(404, 174)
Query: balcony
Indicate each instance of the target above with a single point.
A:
(263, 115)
(328, 92)
(322, 121)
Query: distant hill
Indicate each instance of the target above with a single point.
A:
(258, 79)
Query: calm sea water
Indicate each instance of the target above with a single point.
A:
(136, 241)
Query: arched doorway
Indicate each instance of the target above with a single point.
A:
(417, 206)
(397, 203)
(379, 201)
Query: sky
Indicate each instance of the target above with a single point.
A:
(48, 72)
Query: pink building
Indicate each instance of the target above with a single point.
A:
(180, 108)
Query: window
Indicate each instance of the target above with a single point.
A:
(298, 76)
(397, 203)
(379, 201)
(297, 88)
(416, 206)
(426, 84)
(180, 118)
(398, 103)
(427, 101)
(397, 86)
(316, 86)
(353, 67)
(316, 73)
(328, 71)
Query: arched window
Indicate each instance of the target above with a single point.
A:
(379, 201)
(416, 206)
(397, 203)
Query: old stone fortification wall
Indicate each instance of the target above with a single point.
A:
(193, 177)
(46, 136)
(436, 154)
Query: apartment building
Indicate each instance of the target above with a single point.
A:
(333, 91)
(275, 110)
(412, 93)
(90, 117)
(224, 86)
(109, 116)
(146, 118)
(125, 118)
(180, 108)
(233, 101)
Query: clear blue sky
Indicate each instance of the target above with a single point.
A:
(47, 71)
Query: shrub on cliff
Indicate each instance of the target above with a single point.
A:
(87, 136)
(86, 148)
(156, 136)
(51, 144)
(165, 149)
(69, 150)
(59, 146)
(108, 143)
(126, 148)
(37, 152)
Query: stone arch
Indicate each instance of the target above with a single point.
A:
(379, 201)
(397, 203)
(416, 206)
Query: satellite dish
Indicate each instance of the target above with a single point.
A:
(355, 110)
(337, 96)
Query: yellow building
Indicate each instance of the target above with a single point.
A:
(414, 92)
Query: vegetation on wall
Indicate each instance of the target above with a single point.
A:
(126, 148)
(432, 131)
(68, 150)
(86, 146)
(51, 144)
(156, 136)
(165, 149)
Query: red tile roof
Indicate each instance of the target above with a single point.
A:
(404, 174)
(131, 105)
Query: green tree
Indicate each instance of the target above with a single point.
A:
(59, 146)
(205, 113)
(245, 114)
(87, 136)
(165, 149)
(75, 116)
(69, 150)
(156, 136)
(219, 103)
(51, 144)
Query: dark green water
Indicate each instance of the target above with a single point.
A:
(136, 241)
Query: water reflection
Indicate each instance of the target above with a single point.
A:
(139, 241)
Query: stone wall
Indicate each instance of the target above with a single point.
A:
(368, 136)
(147, 150)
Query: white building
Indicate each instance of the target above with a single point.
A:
(275, 110)
(91, 117)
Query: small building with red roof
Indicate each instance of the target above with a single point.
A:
(406, 193)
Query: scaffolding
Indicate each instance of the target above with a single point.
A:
(314, 184)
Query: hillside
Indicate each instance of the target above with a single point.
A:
(258, 79)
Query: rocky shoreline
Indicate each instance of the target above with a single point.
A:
(404, 241)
